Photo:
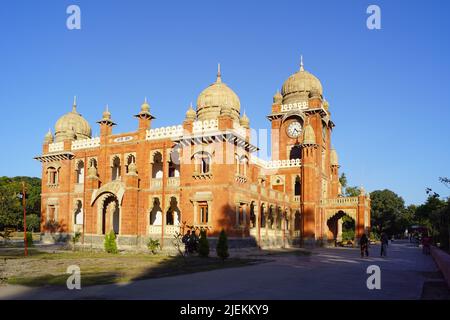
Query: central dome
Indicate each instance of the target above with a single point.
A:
(218, 99)
(72, 126)
(301, 83)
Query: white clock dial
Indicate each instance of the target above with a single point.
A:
(294, 129)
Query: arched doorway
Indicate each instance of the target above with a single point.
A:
(341, 228)
(109, 214)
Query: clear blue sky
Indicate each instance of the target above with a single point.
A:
(388, 89)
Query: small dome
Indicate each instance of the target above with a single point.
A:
(145, 107)
(106, 114)
(302, 81)
(245, 121)
(48, 137)
(334, 158)
(277, 98)
(191, 114)
(72, 125)
(309, 137)
(217, 97)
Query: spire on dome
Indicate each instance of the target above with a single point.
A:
(74, 106)
(219, 75)
(301, 63)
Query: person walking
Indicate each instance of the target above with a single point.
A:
(384, 244)
(364, 245)
(185, 240)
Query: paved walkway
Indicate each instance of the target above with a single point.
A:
(332, 273)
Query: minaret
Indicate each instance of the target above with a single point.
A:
(309, 185)
(145, 119)
(106, 125)
(335, 184)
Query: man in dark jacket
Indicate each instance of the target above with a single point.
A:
(364, 245)
(384, 244)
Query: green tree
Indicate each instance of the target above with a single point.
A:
(33, 222)
(352, 192)
(203, 246)
(386, 210)
(222, 246)
(11, 210)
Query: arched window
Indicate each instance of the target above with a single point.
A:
(156, 213)
(93, 163)
(131, 159)
(157, 166)
(297, 186)
(174, 164)
(52, 176)
(116, 169)
(296, 152)
(78, 215)
(80, 172)
(237, 163)
(202, 163)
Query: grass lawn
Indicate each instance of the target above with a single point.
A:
(47, 269)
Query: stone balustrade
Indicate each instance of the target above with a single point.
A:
(340, 201)
(173, 182)
(156, 184)
(56, 147)
(206, 125)
(86, 143)
(168, 229)
(165, 132)
(277, 164)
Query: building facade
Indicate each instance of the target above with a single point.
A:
(203, 173)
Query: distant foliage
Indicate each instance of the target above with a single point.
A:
(203, 249)
(110, 243)
(222, 246)
(33, 222)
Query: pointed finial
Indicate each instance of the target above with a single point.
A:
(190, 105)
(219, 75)
(145, 100)
(74, 106)
(107, 108)
(301, 63)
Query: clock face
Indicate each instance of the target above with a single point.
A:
(294, 129)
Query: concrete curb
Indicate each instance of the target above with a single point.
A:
(442, 260)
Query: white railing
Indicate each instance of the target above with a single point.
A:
(165, 132)
(341, 201)
(296, 198)
(56, 147)
(156, 184)
(206, 125)
(173, 182)
(86, 143)
(276, 164)
(294, 106)
(168, 229)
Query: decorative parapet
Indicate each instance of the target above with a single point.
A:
(276, 164)
(206, 125)
(340, 201)
(168, 229)
(165, 132)
(294, 106)
(156, 184)
(56, 147)
(86, 143)
(173, 182)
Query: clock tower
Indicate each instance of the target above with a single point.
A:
(301, 129)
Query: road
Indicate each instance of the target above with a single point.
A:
(329, 273)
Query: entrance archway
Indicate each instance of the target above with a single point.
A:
(341, 227)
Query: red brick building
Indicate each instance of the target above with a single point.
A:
(203, 172)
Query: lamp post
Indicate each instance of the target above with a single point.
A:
(24, 219)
